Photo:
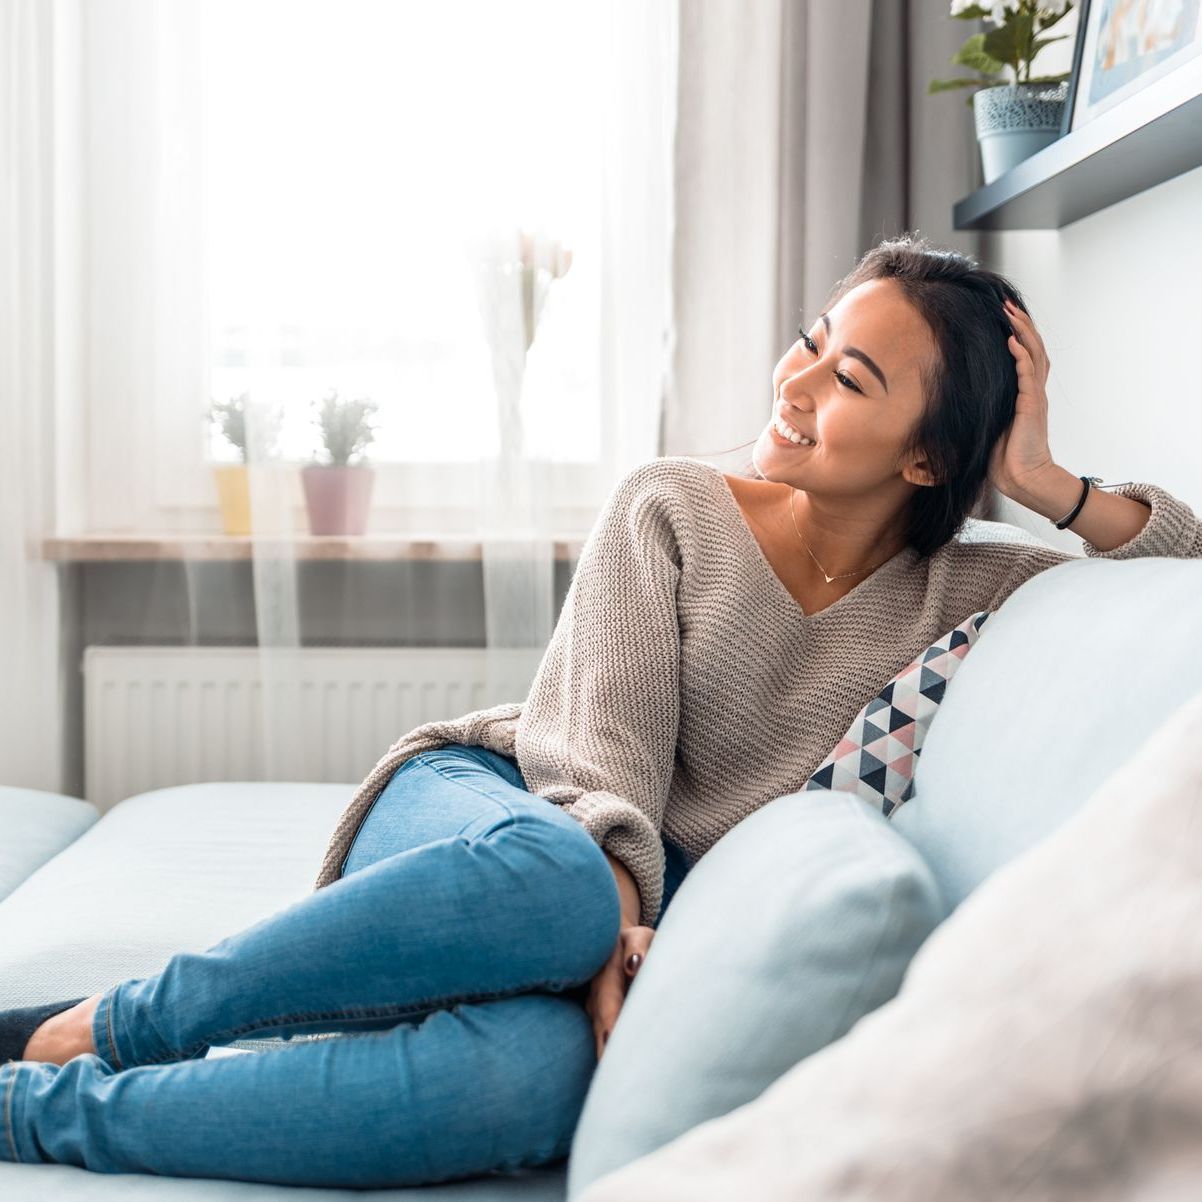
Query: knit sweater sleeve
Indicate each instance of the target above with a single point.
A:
(597, 734)
(1172, 530)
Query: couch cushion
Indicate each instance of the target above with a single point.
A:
(798, 921)
(65, 1183)
(1068, 677)
(172, 870)
(34, 827)
(1044, 1045)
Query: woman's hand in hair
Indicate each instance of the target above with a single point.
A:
(607, 991)
(1021, 455)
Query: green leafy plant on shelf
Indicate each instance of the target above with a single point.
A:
(1011, 47)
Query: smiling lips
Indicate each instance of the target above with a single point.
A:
(781, 431)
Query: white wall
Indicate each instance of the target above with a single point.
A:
(1117, 301)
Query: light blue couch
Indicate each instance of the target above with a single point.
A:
(1068, 678)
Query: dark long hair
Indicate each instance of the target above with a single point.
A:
(969, 395)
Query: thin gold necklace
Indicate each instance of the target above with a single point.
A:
(829, 579)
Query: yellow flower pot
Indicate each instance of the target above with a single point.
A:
(233, 495)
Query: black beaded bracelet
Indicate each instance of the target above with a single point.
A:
(1086, 481)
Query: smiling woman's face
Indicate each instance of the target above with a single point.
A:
(851, 382)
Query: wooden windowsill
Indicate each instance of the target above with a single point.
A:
(114, 548)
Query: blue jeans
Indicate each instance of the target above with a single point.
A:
(452, 961)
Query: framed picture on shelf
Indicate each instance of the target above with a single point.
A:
(1122, 46)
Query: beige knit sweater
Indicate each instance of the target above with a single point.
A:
(684, 687)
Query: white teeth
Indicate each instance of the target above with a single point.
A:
(792, 435)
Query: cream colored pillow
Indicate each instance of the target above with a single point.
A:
(1046, 1042)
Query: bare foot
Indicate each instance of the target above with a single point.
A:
(65, 1035)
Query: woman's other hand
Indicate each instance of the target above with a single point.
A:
(607, 990)
(1021, 455)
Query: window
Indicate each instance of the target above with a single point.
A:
(288, 197)
(347, 158)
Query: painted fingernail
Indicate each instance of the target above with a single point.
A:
(633, 961)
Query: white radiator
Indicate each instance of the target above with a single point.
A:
(161, 716)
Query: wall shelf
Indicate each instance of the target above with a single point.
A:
(1150, 137)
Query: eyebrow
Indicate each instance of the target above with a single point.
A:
(856, 353)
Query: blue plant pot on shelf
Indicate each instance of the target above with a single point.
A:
(1015, 120)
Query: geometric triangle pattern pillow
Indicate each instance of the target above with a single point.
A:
(878, 755)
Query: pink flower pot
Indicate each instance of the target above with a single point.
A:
(337, 498)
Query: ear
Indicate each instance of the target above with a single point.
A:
(918, 471)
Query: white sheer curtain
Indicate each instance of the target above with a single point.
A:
(461, 212)
(31, 700)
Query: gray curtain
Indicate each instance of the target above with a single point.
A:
(804, 136)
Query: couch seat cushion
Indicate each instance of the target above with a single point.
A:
(65, 1183)
(172, 870)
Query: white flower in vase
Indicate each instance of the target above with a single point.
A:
(514, 271)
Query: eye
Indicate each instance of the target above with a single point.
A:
(812, 347)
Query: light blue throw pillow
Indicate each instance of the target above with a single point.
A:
(34, 827)
(794, 925)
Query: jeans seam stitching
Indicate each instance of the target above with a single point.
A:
(468, 785)
(108, 1031)
(418, 760)
(8, 1116)
(372, 1012)
(510, 761)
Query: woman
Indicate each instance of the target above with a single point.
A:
(495, 882)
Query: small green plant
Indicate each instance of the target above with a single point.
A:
(231, 418)
(1013, 44)
(345, 430)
